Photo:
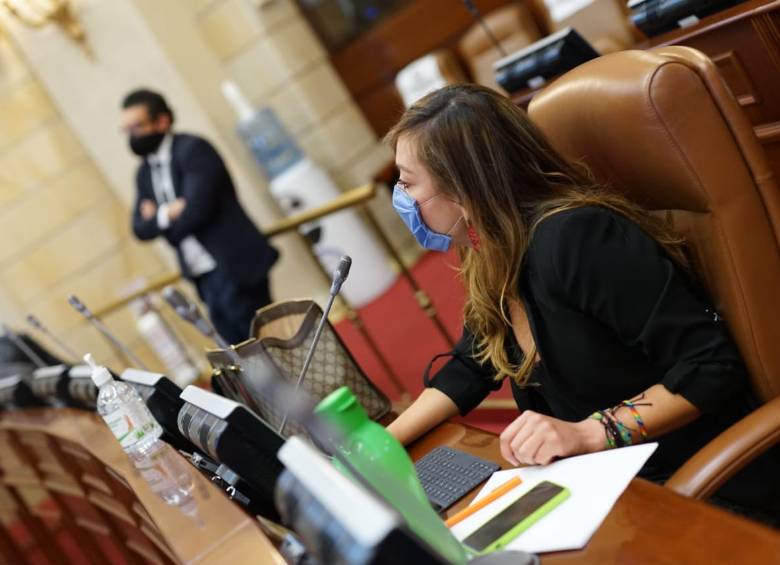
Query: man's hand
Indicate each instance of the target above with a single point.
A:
(536, 439)
(176, 208)
(148, 209)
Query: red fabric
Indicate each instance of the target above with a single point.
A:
(409, 339)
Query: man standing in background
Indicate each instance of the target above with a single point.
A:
(185, 193)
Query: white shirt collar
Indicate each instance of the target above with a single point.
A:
(163, 153)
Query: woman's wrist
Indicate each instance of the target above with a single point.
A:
(592, 435)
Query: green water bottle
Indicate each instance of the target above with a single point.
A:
(383, 462)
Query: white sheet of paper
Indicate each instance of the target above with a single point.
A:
(595, 481)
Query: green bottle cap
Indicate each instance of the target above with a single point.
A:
(341, 408)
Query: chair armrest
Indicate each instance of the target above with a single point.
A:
(727, 454)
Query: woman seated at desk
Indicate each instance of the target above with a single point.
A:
(578, 296)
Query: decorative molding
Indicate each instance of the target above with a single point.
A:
(768, 133)
(730, 65)
(769, 35)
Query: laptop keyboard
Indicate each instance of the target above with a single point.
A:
(447, 475)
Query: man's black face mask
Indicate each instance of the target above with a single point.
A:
(143, 145)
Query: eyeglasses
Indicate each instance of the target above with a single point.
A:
(136, 128)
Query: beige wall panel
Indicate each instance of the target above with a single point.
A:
(46, 152)
(23, 107)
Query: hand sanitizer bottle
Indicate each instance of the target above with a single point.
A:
(124, 411)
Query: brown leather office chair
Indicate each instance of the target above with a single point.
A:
(428, 73)
(604, 23)
(512, 25)
(662, 127)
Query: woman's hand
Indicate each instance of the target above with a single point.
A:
(536, 439)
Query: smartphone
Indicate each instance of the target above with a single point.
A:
(517, 517)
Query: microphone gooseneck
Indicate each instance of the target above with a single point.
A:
(82, 309)
(478, 16)
(23, 347)
(38, 325)
(189, 312)
(339, 276)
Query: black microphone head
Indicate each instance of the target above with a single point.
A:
(187, 310)
(34, 322)
(471, 7)
(78, 304)
(181, 304)
(340, 274)
(345, 262)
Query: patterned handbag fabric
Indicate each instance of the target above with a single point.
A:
(332, 365)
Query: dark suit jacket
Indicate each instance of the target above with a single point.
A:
(213, 214)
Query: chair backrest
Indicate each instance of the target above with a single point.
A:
(428, 73)
(514, 27)
(661, 127)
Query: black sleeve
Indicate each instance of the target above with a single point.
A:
(143, 229)
(203, 176)
(462, 378)
(605, 266)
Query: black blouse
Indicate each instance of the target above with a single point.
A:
(611, 316)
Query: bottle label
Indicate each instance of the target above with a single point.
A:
(127, 430)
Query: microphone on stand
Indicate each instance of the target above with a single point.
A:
(99, 326)
(478, 16)
(189, 312)
(38, 325)
(339, 276)
(24, 348)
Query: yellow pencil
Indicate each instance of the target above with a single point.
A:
(481, 503)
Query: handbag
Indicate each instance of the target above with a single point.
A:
(283, 333)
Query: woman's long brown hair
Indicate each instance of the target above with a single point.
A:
(485, 153)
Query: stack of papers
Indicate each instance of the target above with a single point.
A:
(595, 480)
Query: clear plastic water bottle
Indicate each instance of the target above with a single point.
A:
(138, 433)
(124, 411)
(167, 474)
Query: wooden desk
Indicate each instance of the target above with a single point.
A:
(53, 459)
(649, 524)
(69, 454)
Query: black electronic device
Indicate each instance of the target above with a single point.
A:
(367, 530)
(337, 519)
(517, 517)
(82, 392)
(654, 17)
(235, 437)
(534, 65)
(15, 390)
(447, 475)
(50, 384)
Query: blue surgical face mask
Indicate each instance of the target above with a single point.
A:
(409, 210)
